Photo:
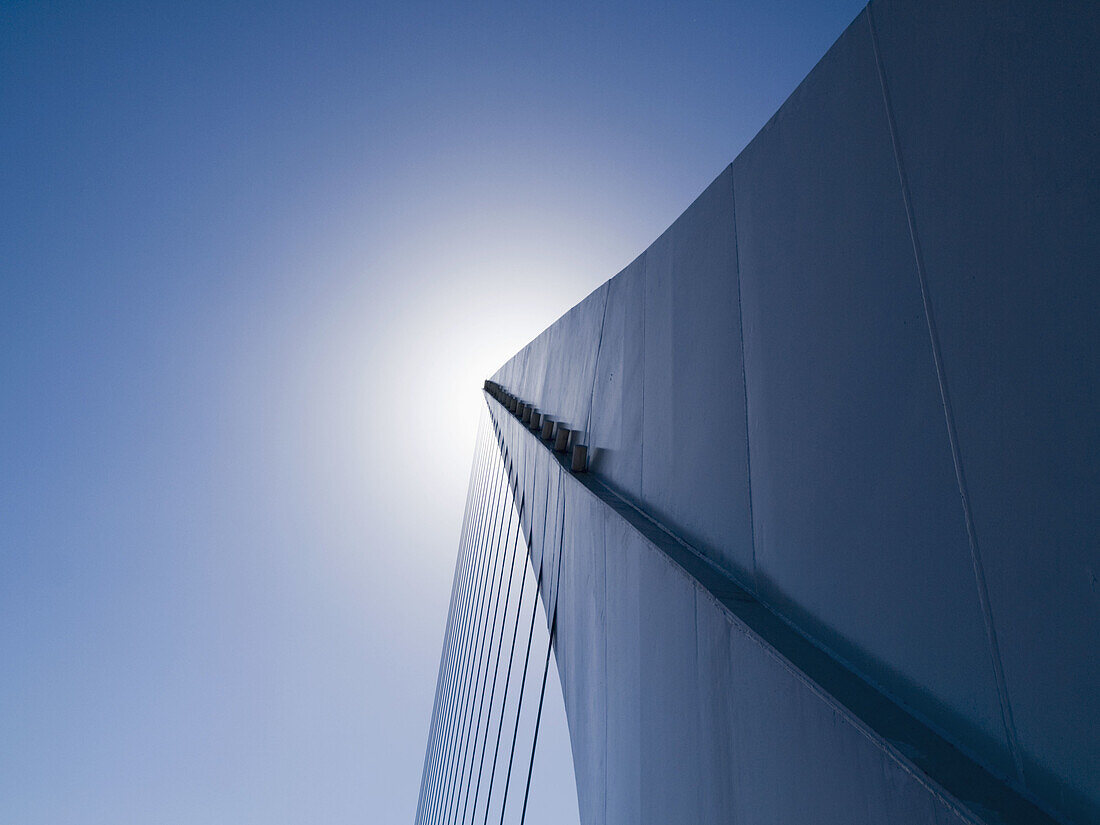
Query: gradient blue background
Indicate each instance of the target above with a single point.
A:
(255, 260)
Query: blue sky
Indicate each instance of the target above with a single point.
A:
(255, 260)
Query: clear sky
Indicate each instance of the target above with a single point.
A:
(255, 260)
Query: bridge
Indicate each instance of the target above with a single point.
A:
(808, 492)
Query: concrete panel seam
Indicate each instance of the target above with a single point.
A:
(641, 422)
(596, 366)
(975, 553)
(606, 681)
(744, 380)
(700, 799)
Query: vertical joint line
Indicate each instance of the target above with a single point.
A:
(744, 381)
(596, 367)
(949, 418)
(641, 424)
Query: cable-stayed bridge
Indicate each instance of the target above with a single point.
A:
(808, 492)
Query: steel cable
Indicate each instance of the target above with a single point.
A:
(466, 668)
(512, 654)
(496, 667)
(462, 565)
(474, 696)
(489, 654)
(553, 626)
(429, 748)
(526, 662)
(459, 644)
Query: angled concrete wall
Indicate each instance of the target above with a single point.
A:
(859, 375)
